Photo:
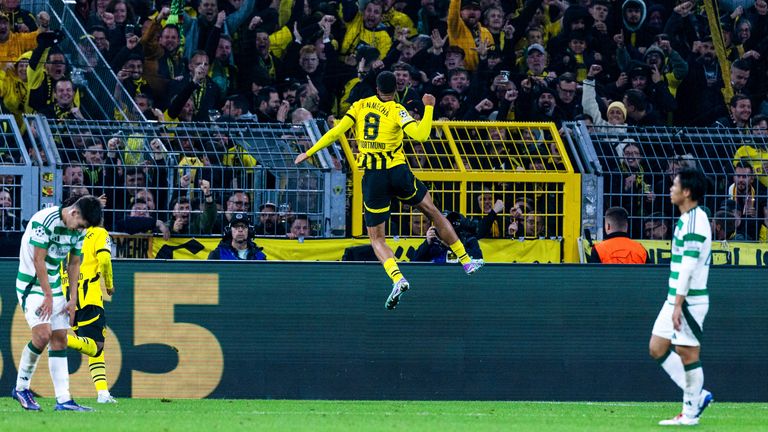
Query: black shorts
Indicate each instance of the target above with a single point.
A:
(95, 325)
(381, 186)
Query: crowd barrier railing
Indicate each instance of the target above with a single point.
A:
(471, 166)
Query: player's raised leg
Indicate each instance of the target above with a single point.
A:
(83, 345)
(446, 232)
(661, 351)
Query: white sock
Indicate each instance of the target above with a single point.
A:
(673, 366)
(29, 357)
(57, 364)
(694, 382)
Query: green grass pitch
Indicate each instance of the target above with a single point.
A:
(150, 415)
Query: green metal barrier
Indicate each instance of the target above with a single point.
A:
(320, 331)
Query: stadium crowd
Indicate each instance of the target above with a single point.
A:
(614, 65)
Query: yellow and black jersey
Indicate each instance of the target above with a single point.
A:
(96, 266)
(379, 132)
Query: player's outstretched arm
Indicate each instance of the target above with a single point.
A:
(421, 132)
(331, 136)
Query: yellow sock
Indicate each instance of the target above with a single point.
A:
(84, 345)
(390, 266)
(458, 249)
(98, 371)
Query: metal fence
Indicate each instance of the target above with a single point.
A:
(521, 168)
(637, 166)
(162, 171)
(102, 96)
(19, 174)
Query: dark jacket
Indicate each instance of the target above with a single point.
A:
(225, 251)
(437, 252)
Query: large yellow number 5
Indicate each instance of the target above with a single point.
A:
(201, 361)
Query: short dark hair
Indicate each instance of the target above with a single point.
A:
(738, 97)
(618, 217)
(90, 209)
(265, 94)
(240, 102)
(695, 181)
(741, 65)
(386, 82)
(637, 99)
(301, 216)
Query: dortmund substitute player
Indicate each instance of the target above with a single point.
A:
(90, 323)
(379, 123)
(49, 236)
(681, 318)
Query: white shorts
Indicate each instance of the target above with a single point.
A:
(59, 318)
(689, 333)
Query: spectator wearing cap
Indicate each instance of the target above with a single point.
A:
(651, 82)
(536, 63)
(464, 29)
(660, 56)
(268, 221)
(13, 44)
(449, 105)
(367, 26)
(615, 120)
(22, 20)
(237, 243)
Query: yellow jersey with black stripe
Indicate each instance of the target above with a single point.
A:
(96, 266)
(379, 132)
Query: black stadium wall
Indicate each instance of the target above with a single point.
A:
(320, 331)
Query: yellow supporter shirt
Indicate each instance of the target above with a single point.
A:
(96, 266)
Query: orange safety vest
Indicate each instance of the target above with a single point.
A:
(621, 250)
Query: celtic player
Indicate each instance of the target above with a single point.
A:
(50, 235)
(681, 319)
